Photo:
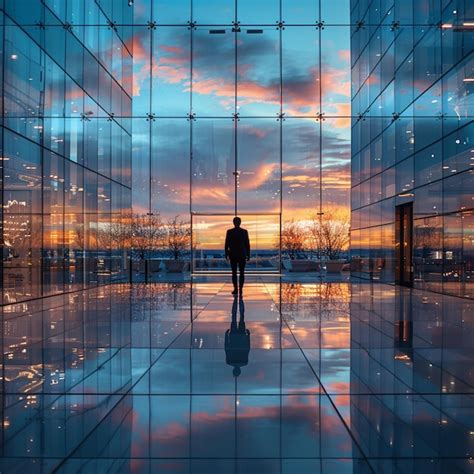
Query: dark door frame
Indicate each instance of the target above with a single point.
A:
(404, 244)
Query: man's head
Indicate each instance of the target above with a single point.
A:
(237, 221)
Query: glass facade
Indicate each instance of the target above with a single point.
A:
(412, 142)
(66, 74)
(240, 107)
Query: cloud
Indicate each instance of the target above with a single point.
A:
(213, 78)
(213, 74)
(344, 54)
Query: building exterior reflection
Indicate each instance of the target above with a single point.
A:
(66, 140)
(412, 74)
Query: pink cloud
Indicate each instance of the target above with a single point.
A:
(344, 54)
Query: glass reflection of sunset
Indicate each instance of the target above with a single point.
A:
(291, 143)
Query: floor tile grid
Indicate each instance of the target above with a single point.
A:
(124, 395)
(328, 395)
(56, 396)
(203, 396)
(424, 397)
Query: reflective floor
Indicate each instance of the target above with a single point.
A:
(295, 378)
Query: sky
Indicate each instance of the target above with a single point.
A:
(293, 164)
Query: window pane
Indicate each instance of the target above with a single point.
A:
(213, 73)
(258, 165)
(170, 168)
(258, 72)
(171, 71)
(300, 61)
(213, 166)
(301, 172)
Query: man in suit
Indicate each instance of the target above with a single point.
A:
(237, 250)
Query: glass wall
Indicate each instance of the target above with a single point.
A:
(412, 138)
(240, 108)
(66, 144)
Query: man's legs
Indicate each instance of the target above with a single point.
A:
(241, 273)
(233, 266)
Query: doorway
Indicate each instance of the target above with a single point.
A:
(208, 236)
(404, 244)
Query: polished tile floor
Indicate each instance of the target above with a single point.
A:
(294, 378)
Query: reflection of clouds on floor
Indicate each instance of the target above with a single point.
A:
(148, 380)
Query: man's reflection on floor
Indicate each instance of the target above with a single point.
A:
(237, 339)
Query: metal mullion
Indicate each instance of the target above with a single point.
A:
(2, 192)
(190, 114)
(191, 138)
(320, 123)
(281, 137)
(150, 103)
(236, 30)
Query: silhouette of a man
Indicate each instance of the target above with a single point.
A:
(237, 340)
(237, 250)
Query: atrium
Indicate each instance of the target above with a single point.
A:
(133, 133)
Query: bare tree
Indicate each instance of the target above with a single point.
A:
(293, 238)
(426, 239)
(102, 236)
(146, 234)
(330, 233)
(120, 232)
(78, 240)
(178, 237)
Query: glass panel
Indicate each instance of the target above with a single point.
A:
(336, 179)
(171, 71)
(265, 12)
(301, 173)
(300, 71)
(214, 12)
(141, 71)
(335, 75)
(300, 12)
(170, 162)
(428, 253)
(213, 86)
(258, 72)
(258, 165)
(335, 12)
(213, 166)
(166, 13)
(141, 164)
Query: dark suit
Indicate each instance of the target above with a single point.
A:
(237, 249)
